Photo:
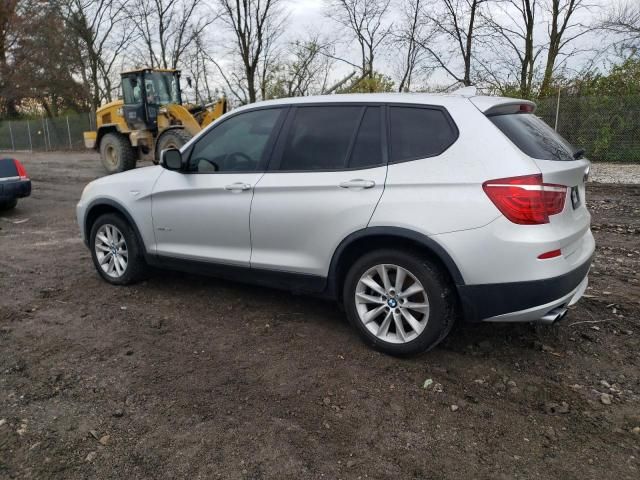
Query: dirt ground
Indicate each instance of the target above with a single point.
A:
(191, 377)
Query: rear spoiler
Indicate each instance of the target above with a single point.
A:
(502, 106)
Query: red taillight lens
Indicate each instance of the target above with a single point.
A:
(551, 254)
(22, 173)
(526, 200)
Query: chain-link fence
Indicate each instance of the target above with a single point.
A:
(608, 128)
(45, 134)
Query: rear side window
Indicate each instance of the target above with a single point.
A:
(534, 137)
(419, 132)
(320, 137)
(367, 150)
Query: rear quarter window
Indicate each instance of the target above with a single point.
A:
(533, 136)
(419, 132)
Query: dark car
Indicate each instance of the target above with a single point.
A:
(14, 183)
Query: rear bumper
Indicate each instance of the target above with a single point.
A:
(523, 301)
(15, 189)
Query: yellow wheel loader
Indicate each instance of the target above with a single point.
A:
(149, 118)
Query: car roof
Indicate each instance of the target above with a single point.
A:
(444, 100)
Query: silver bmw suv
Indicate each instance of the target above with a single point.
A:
(412, 210)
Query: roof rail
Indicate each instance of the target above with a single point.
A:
(466, 91)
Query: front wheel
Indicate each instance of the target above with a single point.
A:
(116, 251)
(399, 302)
(116, 153)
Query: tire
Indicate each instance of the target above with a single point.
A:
(174, 138)
(433, 322)
(116, 153)
(8, 204)
(136, 267)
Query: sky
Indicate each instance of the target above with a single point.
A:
(310, 15)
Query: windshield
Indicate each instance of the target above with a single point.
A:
(534, 137)
(162, 88)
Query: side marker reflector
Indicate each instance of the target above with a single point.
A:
(551, 254)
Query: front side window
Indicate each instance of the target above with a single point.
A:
(320, 137)
(131, 91)
(418, 132)
(236, 145)
(162, 88)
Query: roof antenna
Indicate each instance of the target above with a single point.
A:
(466, 91)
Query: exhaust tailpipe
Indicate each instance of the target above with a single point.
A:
(553, 316)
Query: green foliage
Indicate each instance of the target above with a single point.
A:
(601, 113)
(378, 82)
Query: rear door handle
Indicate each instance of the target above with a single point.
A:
(358, 183)
(238, 187)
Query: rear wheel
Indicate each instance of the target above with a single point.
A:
(116, 251)
(116, 153)
(174, 138)
(399, 302)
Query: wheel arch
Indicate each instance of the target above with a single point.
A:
(101, 207)
(103, 130)
(374, 238)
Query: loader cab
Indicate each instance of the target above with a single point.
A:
(144, 92)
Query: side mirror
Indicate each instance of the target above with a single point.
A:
(171, 159)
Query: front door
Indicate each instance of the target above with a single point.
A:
(203, 213)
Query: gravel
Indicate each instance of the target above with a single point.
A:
(615, 173)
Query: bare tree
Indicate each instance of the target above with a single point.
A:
(457, 22)
(168, 28)
(9, 25)
(101, 31)
(412, 32)
(562, 31)
(256, 25)
(368, 22)
(306, 71)
(623, 21)
(513, 22)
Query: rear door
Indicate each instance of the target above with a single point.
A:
(560, 163)
(323, 183)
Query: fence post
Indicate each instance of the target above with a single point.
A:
(69, 132)
(13, 144)
(30, 141)
(46, 122)
(44, 134)
(557, 110)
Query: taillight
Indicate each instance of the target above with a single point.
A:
(22, 173)
(526, 200)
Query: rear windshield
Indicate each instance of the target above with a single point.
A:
(533, 136)
(7, 168)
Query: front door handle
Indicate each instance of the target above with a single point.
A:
(358, 183)
(238, 187)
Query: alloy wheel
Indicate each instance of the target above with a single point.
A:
(111, 251)
(392, 303)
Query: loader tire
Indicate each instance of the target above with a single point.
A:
(174, 138)
(116, 153)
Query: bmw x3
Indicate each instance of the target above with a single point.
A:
(411, 210)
